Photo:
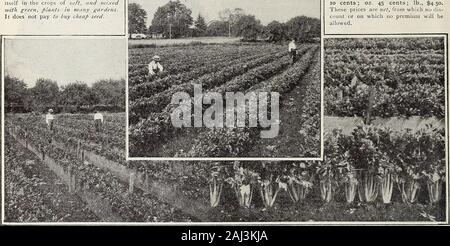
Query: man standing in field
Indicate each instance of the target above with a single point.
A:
(98, 121)
(293, 51)
(155, 67)
(49, 119)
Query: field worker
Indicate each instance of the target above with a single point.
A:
(49, 119)
(98, 120)
(293, 50)
(155, 67)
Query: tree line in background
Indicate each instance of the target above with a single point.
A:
(104, 95)
(174, 20)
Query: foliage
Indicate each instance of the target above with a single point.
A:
(422, 158)
(157, 126)
(15, 93)
(110, 92)
(137, 17)
(248, 27)
(76, 95)
(217, 28)
(276, 31)
(407, 76)
(230, 17)
(142, 107)
(107, 95)
(200, 26)
(34, 194)
(302, 28)
(44, 95)
(173, 14)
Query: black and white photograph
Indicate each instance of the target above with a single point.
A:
(385, 126)
(64, 109)
(230, 92)
(224, 79)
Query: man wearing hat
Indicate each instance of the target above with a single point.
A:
(154, 67)
(49, 119)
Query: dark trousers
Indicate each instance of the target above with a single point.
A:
(98, 125)
(294, 56)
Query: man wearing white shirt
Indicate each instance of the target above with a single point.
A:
(98, 120)
(293, 50)
(49, 119)
(155, 67)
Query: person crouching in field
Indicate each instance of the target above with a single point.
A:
(98, 121)
(154, 67)
(49, 119)
(293, 51)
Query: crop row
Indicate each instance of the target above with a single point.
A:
(149, 133)
(46, 142)
(302, 136)
(143, 107)
(236, 141)
(406, 100)
(311, 115)
(145, 54)
(139, 75)
(341, 70)
(108, 128)
(128, 206)
(148, 89)
(397, 83)
(388, 45)
(82, 130)
(374, 164)
(113, 120)
(138, 71)
(111, 147)
(185, 60)
(360, 56)
(29, 197)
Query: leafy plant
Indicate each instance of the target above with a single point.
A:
(216, 184)
(242, 182)
(299, 181)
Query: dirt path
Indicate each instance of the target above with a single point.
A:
(291, 139)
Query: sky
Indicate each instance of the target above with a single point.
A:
(65, 60)
(264, 10)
